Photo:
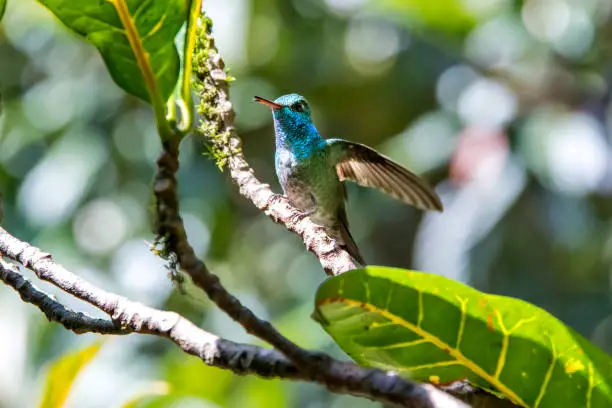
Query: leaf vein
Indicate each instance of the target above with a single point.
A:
(547, 376)
(406, 344)
(432, 365)
(501, 360)
(389, 296)
(139, 9)
(420, 318)
(462, 323)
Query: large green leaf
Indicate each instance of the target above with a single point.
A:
(433, 329)
(135, 37)
(62, 374)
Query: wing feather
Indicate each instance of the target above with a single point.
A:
(367, 167)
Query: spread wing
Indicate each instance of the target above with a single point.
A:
(367, 167)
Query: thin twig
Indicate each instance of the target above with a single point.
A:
(53, 310)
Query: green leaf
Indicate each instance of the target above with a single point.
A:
(433, 329)
(2, 8)
(138, 47)
(62, 374)
(185, 99)
(135, 38)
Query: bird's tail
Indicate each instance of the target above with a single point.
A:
(347, 239)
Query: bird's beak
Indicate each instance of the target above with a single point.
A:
(267, 102)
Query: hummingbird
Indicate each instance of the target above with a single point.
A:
(311, 171)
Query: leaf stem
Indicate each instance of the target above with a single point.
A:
(171, 109)
(186, 101)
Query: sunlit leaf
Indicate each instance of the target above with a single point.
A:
(434, 329)
(62, 374)
(135, 38)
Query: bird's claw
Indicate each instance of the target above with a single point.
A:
(303, 214)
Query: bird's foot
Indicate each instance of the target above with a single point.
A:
(303, 214)
(272, 200)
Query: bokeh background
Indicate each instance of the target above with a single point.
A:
(502, 104)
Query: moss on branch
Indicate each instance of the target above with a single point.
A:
(207, 81)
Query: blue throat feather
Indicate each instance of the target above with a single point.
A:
(294, 132)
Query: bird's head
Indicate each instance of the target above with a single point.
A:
(291, 112)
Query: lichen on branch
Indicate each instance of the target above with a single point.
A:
(211, 87)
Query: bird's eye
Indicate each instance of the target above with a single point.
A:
(298, 107)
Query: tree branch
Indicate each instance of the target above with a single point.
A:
(131, 317)
(54, 311)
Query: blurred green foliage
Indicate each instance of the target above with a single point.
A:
(503, 104)
(444, 15)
